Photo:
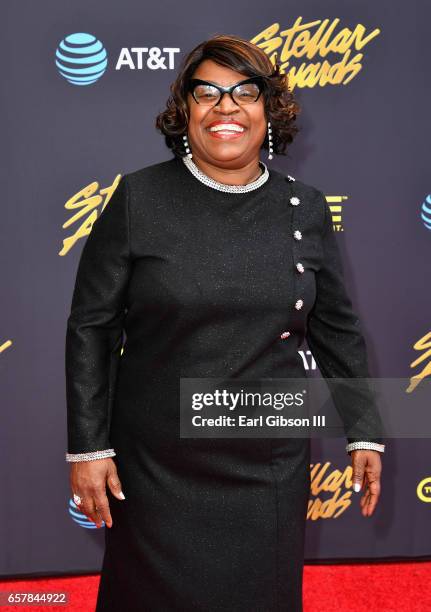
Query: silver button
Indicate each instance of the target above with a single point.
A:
(300, 267)
(299, 304)
(297, 235)
(285, 335)
(294, 201)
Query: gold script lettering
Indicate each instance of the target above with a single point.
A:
(86, 201)
(421, 345)
(299, 41)
(332, 482)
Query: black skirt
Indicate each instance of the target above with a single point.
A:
(215, 525)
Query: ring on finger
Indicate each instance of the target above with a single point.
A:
(77, 499)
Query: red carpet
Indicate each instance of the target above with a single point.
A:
(383, 587)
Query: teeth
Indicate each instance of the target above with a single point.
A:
(226, 127)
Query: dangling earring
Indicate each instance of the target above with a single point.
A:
(270, 149)
(187, 147)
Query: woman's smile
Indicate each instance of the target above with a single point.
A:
(226, 130)
(225, 134)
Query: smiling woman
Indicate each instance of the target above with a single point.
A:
(227, 81)
(216, 266)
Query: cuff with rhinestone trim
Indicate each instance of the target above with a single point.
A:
(365, 445)
(100, 454)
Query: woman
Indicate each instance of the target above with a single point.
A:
(215, 266)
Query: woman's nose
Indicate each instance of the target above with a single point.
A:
(226, 103)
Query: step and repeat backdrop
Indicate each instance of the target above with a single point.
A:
(71, 129)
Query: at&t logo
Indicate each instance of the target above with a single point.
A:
(81, 59)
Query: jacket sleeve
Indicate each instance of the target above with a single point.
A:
(94, 329)
(338, 346)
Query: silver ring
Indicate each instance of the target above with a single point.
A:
(77, 499)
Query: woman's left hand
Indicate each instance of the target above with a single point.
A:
(367, 468)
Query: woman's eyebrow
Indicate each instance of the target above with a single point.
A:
(215, 82)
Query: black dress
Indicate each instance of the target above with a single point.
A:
(204, 283)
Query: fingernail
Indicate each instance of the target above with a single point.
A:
(122, 496)
(356, 487)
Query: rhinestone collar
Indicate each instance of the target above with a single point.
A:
(210, 182)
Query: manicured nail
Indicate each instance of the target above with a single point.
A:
(356, 487)
(122, 496)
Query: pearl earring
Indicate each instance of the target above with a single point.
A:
(270, 149)
(187, 147)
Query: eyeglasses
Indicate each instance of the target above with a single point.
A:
(209, 94)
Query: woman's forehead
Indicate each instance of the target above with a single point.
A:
(220, 75)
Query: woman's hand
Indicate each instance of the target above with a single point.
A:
(88, 479)
(367, 468)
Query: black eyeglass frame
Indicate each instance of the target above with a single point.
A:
(259, 80)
